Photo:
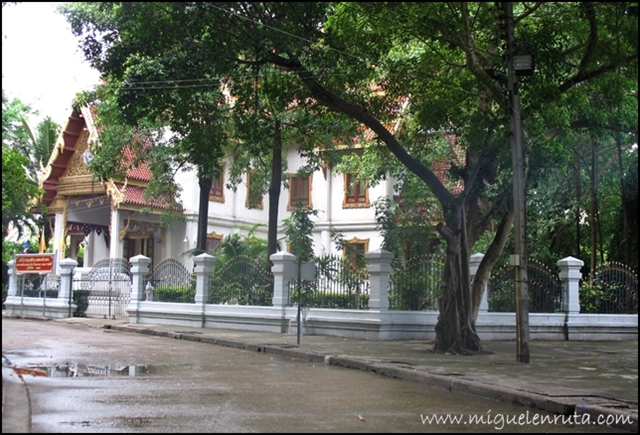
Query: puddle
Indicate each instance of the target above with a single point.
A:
(74, 370)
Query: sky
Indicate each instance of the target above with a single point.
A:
(41, 62)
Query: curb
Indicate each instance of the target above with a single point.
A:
(531, 400)
(14, 417)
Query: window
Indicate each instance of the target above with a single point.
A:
(354, 251)
(254, 192)
(355, 194)
(138, 244)
(299, 191)
(217, 187)
(213, 240)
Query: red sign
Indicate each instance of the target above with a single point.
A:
(34, 263)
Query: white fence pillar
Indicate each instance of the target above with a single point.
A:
(205, 266)
(570, 276)
(66, 278)
(13, 279)
(474, 263)
(139, 270)
(379, 269)
(284, 270)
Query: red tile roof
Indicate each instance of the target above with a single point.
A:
(134, 195)
(140, 172)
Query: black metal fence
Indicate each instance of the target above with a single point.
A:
(170, 281)
(415, 284)
(241, 281)
(338, 283)
(614, 290)
(545, 289)
(105, 290)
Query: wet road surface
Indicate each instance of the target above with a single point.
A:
(85, 379)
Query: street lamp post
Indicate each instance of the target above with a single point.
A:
(519, 260)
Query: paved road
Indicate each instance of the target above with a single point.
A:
(105, 380)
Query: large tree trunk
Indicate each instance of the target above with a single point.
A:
(274, 191)
(456, 329)
(203, 211)
(490, 258)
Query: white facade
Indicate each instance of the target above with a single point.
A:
(112, 220)
(356, 222)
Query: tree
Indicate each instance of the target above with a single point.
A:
(18, 193)
(19, 189)
(158, 80)
(363, 60)
(298, 228)
(19, 182)
(40, 144)
(150, 81)
(630, 186)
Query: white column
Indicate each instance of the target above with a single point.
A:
(205, 266)
(570, 276)
(139, 270)
(66, 277)
(329, 198)
(13, 279)
(474, 263)
(115, 245)
(379, 269)
(284, 270)
(58, 237)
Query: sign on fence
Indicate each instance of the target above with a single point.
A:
(34, 263)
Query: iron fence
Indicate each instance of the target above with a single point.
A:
(105, 290)
(415, 284)
(170, 281)
(338, 283)
(614, 290)
(545, 289)
(241, 281)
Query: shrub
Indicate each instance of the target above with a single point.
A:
(81, 300)
(174, 294)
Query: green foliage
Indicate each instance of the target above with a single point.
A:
(241, 280)
(615, 245)
(233, 293)
(14, 112)
(331, 56)
(298, 228)
(19, 189)
(407, 232)
(502, 300)
(246, 245)
(311, 296)
(146, 143)
(179, 294)
(592, 297)
(338, 284)
(416, 283)
(39, 146)
(18, 192)
(81, 300)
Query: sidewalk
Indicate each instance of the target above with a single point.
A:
(563, 377)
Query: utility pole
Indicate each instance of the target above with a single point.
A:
(519, 260)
